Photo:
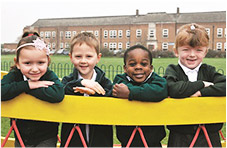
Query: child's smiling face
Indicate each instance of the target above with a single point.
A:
(138, 65)
(191, 57)
(84, 59)
(32, 62)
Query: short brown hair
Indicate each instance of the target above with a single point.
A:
(192, 35)
(85, 37)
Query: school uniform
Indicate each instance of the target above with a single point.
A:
(182, 84)
(33, 132)
(94, 135)
(153, 89)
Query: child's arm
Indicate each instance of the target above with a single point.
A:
(93, 85)
(69, 83)
(53, 93)
(10, 88)
(219, 84)
(153, 91)
(180, 88)
(121, 91)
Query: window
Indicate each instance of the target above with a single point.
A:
(47, 34)
(208, 31)
(164, 46)
(74, 33)
(113, 34)
(127, 45)
(105, 45)
(53, 45)
(219, 32)
(151, 33)
(49, 45)
(53, 34)
(61, 34)
(68, 34)
(105, 34)
(225, 32)
(90, 31)
(41, 34)
(225, 46)
(96, 33)
(120, 33)
(66, 45)
(128, 33)
(219, 46)
(119, 46)
(165, 33)
(138, 33)
(112, 46)
(61, 45)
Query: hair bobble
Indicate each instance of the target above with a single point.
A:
(192, 27)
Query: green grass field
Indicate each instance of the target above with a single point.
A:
(219, 63)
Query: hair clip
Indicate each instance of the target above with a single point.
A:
(192, 27)
(38, 44)
(31, 34)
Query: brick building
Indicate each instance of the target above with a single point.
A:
(156, 31)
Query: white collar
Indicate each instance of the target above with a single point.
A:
(92, 78)
(25, 78)
(130, 79)
(187, 70)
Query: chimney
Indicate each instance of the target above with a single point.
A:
(137, 12)
(178, 10)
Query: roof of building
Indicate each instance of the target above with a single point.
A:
(202, 17)
(219, 16)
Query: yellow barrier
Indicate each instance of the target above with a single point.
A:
(113, 111)
(3, 73)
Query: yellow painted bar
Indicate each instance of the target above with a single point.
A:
(113, 111)
(3, 73)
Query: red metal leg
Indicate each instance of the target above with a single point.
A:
(197, 134)
(59, 139)
(195, 137)
(141, 135)
(222, 136)
(14, 126)
(206, 135)
(17, 133)
(131, 138)
(70, 137)
(7, 136)
(80, 134)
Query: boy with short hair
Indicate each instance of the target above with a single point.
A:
(141, 84)
(192, 78)
(87, 79)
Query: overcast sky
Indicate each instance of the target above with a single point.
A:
(16, 14)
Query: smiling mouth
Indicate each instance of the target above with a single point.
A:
(35, 74)
(191, 60)
(83, 67)
(138, 75)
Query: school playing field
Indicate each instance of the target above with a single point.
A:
(219, 63)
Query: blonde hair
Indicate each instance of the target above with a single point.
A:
(85, 37)
(192, 35)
